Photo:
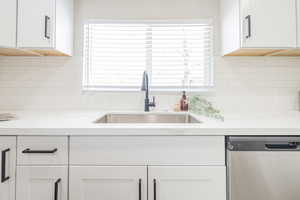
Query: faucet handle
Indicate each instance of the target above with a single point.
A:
(153, 101)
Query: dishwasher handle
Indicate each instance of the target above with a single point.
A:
(283, 146)
(263, 143)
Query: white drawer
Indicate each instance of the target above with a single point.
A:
(147, 150)
(42, 150)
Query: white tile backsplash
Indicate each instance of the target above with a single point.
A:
(243, 84)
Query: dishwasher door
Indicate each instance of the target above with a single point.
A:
(263, 168)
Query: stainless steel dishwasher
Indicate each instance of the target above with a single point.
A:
(263, 168)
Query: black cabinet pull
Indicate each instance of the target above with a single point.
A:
(47, 18)
(140, 189)
(3, 166)
(56, 188)
(248, 18)
(154, 189)
(39, 151)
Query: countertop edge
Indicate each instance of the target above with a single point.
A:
(149, 132)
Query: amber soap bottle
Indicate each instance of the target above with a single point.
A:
(184, 106)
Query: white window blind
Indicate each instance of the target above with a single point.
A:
(177, 55)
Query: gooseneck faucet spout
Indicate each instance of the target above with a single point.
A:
(145, 87)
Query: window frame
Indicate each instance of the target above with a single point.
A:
(203, 89)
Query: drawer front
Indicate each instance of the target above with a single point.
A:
(42, 150)
(147, 150)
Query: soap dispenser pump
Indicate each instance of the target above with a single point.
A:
(184, 106)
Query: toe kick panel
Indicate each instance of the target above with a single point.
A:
(147, 150)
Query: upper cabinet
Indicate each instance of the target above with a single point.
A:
(258, 27)
(8, 20)
(8, 31)
(298, 23)
(268, 23)
(36, 27)
(48, 28)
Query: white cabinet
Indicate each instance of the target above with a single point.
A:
(192, 183)
(108, 182)
(8, 23)
(164, 183)
(8, 166)
(42, 183)
(46, 26)
(164, 167)
(268, 23)
(258, 27)
(298, 23)
(36, 27)
(42, 168)
(129, 168)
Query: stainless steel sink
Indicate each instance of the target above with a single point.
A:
(170, 118)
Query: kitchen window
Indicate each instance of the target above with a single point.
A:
(177, 55)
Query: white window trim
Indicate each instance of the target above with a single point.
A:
(206, 90)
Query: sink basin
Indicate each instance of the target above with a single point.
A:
(140, 118)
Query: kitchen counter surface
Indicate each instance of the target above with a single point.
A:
(81, 123)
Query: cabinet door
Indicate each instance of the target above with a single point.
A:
(268, 23)
(42, 183)
(8, 166)
(108, 183)
(8, 23)
(192, 183)
(298, 21)
(36, 23)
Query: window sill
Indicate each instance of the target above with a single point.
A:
(202, 91)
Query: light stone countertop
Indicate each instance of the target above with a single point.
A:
(81, 123)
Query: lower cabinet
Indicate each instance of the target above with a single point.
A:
(161, 182)
(108, 183)
(112, 168)
(8, 167)
(42, 183)
(191, 183)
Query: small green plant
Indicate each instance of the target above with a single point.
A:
(201, 106)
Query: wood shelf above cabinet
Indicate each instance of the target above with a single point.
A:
(254, 52)
(49, 52)
(30, 52)
(287, 52)
(265, 52)
(17, 52)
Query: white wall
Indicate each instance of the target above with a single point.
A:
(243, 84)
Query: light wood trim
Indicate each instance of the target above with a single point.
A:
(30, 52)
(253, 52)
(287, 52)
(49, 52)
(17, 52)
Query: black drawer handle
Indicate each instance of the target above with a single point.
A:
(154, 189)
(287, 146)
(39, 151)
(140, 189)
(3, 166)
(56, 188)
